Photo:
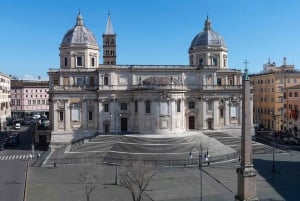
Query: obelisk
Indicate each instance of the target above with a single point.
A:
(246, 174)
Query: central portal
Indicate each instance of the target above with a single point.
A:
(123, 124)
(191, 122)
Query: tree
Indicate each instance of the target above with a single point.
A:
(90, 180)
(136, 178)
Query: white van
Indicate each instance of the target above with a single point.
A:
(36, 116)
(17, 126)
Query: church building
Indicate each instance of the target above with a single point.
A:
(88, 98)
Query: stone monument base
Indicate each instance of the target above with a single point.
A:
(246, 184)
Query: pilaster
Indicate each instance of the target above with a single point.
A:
(226, 108)
(216, 113)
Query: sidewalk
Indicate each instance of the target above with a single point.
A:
(169, 184)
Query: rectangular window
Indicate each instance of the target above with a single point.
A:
(290, 94)
(90, 115)
(191, 105)
(92, 61)
(92, 81)
(221, 113)
(105, 80)
(209, 105)
(61, 116)
(215, 62)
(135, 106)
(34, 102)
(219, 81)
(66, 61)
(29, 102)
(296, 94)
(295, 80)
(123, 106)
(147, 106)
(43, 102)
(178, 105)
(38, 102)
(79, 61)
(106, 107)
(79, 81)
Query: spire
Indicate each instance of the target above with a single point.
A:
(207, 24)
(79, 19)
(109, 28)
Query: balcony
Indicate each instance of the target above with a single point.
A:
(146, 87)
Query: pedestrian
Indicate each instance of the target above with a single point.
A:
(54, 164)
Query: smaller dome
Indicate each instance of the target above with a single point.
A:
(208, 37)
(79, 34)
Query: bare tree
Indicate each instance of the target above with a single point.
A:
(136, 178)
(90, 180)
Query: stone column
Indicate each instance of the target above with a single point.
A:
(100, 116)
(204, 117)
(226, 110)
(216, 114)
(240, 112)
(95, 114)
(67, 115)
(246, 173)
(84, 114)
(55, 115)
(200, 114)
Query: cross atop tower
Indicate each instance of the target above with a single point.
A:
(245, 76)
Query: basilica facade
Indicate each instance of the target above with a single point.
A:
(88, 98)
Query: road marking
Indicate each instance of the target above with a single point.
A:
(15, 157)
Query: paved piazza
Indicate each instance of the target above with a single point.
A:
(170, 183)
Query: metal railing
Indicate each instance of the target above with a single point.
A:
(125, 161)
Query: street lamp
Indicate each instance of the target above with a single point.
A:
(273, 167)
(200, 154)
(273, 147)
(116, 169)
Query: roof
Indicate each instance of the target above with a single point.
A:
(79, 34)
(208, 37)
(109, 28)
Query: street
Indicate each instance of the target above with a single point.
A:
(13, 166)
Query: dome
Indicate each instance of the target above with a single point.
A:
(79, 34)
(208, 37)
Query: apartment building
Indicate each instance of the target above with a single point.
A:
(5, 110)
(29, 97)
(270, 88)
(292, 106)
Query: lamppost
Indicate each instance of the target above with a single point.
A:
(116, 169)
(273, 147)
(200, 154)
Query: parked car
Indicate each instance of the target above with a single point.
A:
(17, 126)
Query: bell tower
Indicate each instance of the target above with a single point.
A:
(109, 44)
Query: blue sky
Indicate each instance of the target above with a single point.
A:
(149, 31)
